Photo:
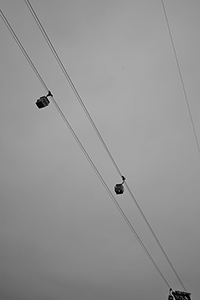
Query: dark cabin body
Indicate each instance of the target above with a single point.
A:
(42, 102)
(119, 188)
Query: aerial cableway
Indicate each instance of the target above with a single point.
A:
(43, 102)
(119, 188)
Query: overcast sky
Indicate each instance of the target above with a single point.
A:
(61, 235)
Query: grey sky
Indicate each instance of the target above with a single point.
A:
(61, 235)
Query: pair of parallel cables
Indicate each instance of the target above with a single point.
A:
(82, 147)
(97, 132)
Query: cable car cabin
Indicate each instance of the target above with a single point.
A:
(119, 188)
(181, 295)
(42, 102)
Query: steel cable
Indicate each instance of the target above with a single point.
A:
(181, 77)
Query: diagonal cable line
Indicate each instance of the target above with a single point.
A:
(23, 50)
(181, 77)
(83, 149)
(67, 76)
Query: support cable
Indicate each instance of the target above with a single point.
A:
(181, 77)
(72, 85)
(23, 50)
(67, 76)
(83, 149)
